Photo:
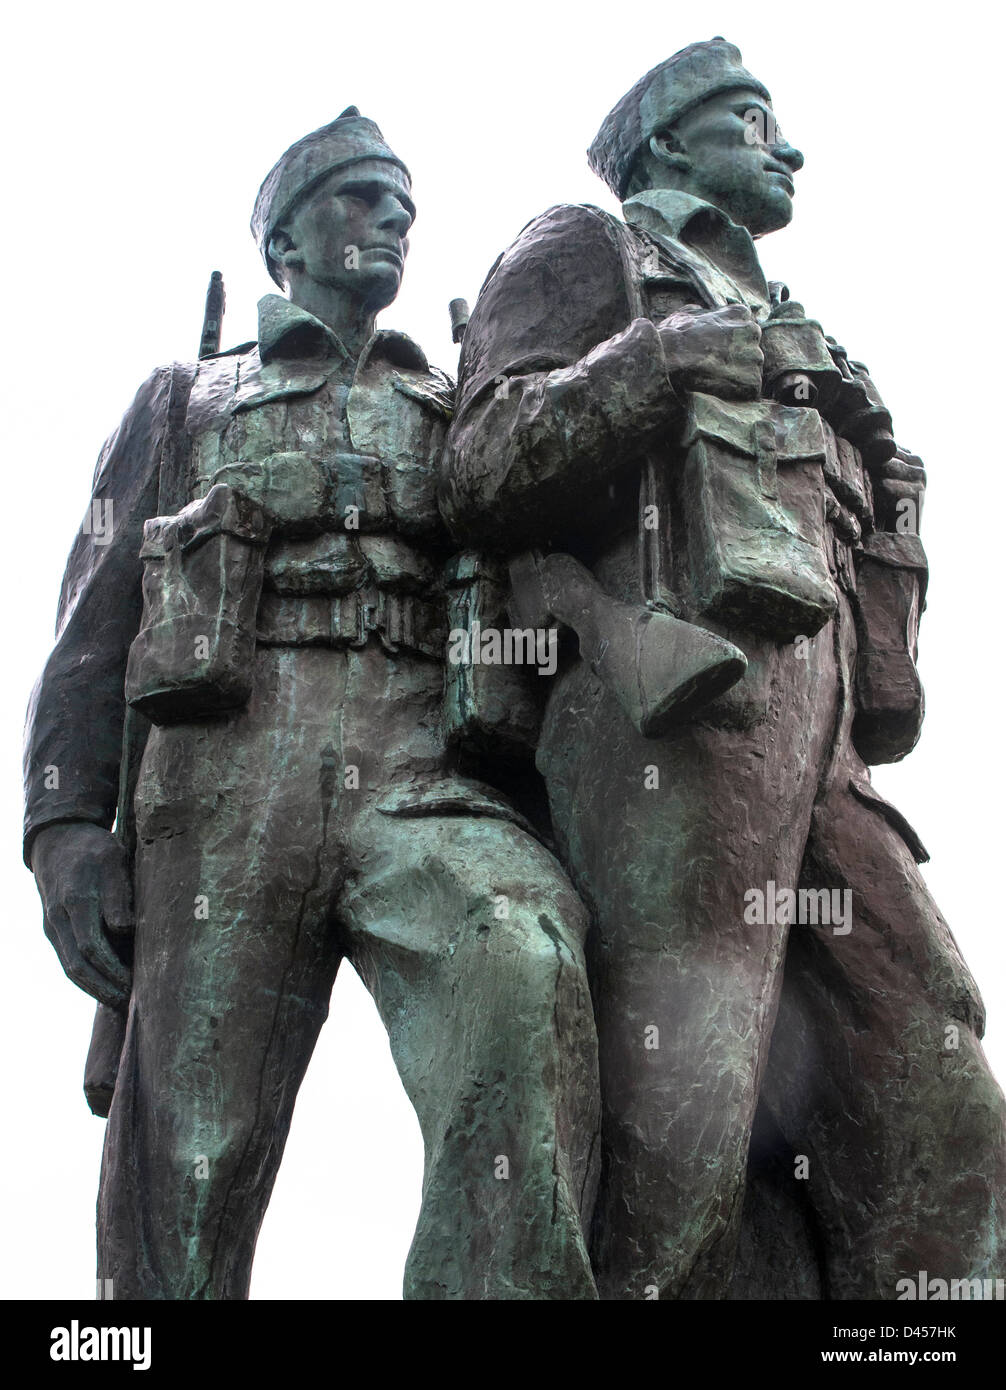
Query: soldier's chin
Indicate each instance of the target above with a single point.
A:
(384, 279)
(771, 213)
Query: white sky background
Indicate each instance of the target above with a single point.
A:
(135, 139)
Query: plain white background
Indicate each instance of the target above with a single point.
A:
(136, 136)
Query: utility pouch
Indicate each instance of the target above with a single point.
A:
(753, 499)
(489, 707)
(891, 575)
(202, 578)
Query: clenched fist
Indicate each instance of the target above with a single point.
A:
(715, 350)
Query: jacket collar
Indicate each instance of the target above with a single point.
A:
(669, 213)
(674, 211)
(287, 332)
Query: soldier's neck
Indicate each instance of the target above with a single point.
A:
(346, 316)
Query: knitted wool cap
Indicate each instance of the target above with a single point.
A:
(658, 99)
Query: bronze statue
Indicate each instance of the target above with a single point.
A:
(295, 799)
(643, 421)
(550, 703)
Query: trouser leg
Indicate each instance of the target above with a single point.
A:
(470, 938)
(233, 970)
(664, 838)
(224, 1018)
(878, 1075)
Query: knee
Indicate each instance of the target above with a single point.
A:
(542, 947)
(199, 1164)
(544, 920)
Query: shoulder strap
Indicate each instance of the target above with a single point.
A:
(172, 495)
(654, 545)
(173, 476)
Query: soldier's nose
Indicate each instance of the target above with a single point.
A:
(788, 155)
(395, 217)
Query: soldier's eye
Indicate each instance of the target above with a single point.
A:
(362, 192)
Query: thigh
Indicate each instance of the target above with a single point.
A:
(470, 938)
(668, 839)
(467, 931)
(234, 964)
(678, 844)
(237, 857)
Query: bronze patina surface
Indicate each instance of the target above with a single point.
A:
(795, 1100)
(549, 701)
(271, 605)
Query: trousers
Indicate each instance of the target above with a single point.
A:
(877, 1081)
(313, 825)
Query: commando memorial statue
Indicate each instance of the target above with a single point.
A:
(269, 608)
(549, 701)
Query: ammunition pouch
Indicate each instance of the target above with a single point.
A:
(202, 577)
(891, 574)
(754, 513)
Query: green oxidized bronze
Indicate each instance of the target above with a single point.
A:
(795, 1101)
(297, 799)
(675, 1008)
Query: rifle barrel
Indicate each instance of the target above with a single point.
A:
(213, 316)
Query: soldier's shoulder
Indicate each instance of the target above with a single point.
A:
(138, 436)
(242, 349)
(224, 365)
(566, 232)
(161, 377)
(555, 292)
(572, 218)
(153, 398)
(441, 389)
(430, 386)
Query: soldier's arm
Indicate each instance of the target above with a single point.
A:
(73, 737)
(560, 388)
(564, 386)
(892, 576)
(73, 734)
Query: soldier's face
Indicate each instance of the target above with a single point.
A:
(739, 160)
(351, 232)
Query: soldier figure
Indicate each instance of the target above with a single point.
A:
(636, 402)
(295, 802)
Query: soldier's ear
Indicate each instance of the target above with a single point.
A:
(668, 149)
(283, 251)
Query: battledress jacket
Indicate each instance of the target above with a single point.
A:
(563, 392)
(175, 430)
